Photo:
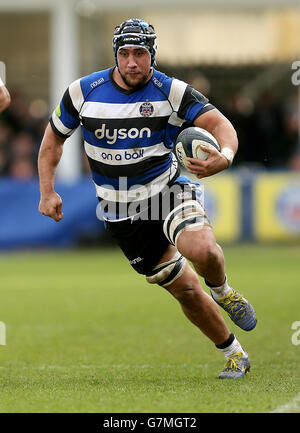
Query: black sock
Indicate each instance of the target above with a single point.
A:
(211, 286)
(227, 342)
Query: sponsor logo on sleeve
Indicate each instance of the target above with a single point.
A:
(96, 83)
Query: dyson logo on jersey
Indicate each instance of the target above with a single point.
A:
(121, 134)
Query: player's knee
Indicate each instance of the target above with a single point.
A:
(210, 254)
(187, 295)
(205, 252)
(186, 289)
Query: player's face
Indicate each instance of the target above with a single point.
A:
(134, 66)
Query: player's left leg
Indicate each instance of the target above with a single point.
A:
(200, 247)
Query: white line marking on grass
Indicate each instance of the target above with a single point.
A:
(290, 406)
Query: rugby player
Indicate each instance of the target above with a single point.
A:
(130, 115)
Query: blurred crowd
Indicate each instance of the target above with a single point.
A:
(267, 131)
(21, 130)
(267, 126)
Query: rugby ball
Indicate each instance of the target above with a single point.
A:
(188, 144)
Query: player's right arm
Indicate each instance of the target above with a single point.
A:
(63, 122)
(49, 156)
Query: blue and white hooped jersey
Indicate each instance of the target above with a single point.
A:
(128, 135)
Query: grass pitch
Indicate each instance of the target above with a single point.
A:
(85, 333)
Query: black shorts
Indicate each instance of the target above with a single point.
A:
(143, 241)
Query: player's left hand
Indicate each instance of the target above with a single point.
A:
(215, 163)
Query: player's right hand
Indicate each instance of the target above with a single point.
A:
(51, 206)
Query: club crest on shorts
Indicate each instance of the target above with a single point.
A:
(146, 109)
(184, 195)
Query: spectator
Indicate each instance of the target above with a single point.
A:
(20, 137)
(199, 82)
(22, 168)
(6, 134)
(238, 110)
(291, 123)
(265, 134)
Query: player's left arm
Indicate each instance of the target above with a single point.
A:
(221, 128)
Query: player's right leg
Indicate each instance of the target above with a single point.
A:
(188, 228)
(200, 247)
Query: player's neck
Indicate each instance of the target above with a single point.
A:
(120, 82)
